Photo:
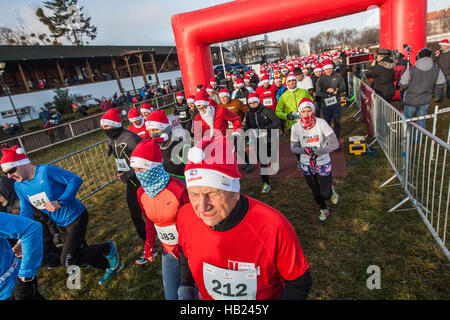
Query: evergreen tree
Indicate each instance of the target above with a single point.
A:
(66, 20)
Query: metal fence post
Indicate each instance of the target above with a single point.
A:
(71, 129)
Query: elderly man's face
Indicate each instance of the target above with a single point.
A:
(212, 205)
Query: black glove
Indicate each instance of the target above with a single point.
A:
(290, 116)
(57, 240)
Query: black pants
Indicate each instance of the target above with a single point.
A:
(187, 125)
(76, 251)
(256, 143)
(320, 187)
(51, 254)
(135, 211)
(27, 290)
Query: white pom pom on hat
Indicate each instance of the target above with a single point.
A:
(20, 151)
(196, 155)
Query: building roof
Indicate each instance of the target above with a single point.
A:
(26, 53)
(436, 15)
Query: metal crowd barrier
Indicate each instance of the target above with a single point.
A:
(42, 139)
(419, 161)
(92, 165)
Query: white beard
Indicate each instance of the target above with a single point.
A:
(208, 117)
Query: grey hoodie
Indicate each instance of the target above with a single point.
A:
(421, 82)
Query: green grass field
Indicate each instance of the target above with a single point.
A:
(359, 233)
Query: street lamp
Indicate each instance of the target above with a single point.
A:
(6, 88)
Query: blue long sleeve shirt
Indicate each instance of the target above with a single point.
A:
(30, 234)
(51, 183)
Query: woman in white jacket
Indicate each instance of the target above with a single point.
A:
(313, 139)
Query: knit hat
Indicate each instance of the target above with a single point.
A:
(157, 120)
(113, 118)
(213, 164)
(291, 76)
(146, 108)
(191, 99)
(327, 64)
(180, 95)
(13, 157)
(147, 154)
(306, 103)
(201, 98)
(223, 93)
(444, 42)
(134, 115)
(253, 97)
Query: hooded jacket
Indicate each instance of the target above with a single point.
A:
(383, 75)
(421, 82)
(443, 61)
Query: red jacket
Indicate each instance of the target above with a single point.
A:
(141, 132)
(223, 119)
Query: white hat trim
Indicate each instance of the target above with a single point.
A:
(136, 162)
(111, 123)
(224, 94)
(135, 119)
(201, 102)
(253, 99)
(9, 165)
(156, 125)
(211, 178)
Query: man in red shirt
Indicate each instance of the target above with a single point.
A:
(213, 120)
(137, 123)
(267, 93)
(234, 247)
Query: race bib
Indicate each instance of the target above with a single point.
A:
(330, 101)
(122, 165)
(39, 200)
(168, 235)
(243, 100)
(224, 284)
(268, 102)
(182, 114)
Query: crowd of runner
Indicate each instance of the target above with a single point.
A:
(184, 189)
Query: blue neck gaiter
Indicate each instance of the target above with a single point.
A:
(154, 180)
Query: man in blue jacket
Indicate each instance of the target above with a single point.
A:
(52, 190)
(18, 267)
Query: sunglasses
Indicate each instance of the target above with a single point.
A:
(11, 171)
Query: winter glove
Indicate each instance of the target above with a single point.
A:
(290, 116)
(149, 250)
(176, 252)
(185, 293)
(313, 157)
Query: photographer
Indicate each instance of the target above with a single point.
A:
(442, 59)
(382, 72)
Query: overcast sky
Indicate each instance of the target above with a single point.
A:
(147, 22)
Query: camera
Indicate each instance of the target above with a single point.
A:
(407, 47)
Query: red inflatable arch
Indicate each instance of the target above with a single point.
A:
(401, 21)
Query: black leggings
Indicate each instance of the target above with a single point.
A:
(320, 187)
(76, 251)
(135, 211)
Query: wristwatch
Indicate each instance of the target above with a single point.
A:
(26, 279)
(59, 202)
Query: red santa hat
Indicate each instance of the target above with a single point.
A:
(306, 103)
(327, 64)
(265, 78)
(146, 108)
(228, 75)
(13, 157)
(239, 83)
(247, 78)
(224, 93)
(201, 98)
(147, 154)
(134, 100)
(276, 79)
(212, 81)
(191, 99)
(234, 76)
(444, 42)
(253, 97)
(134, 115)
(180, 95)
(113, 118)
(318, 67)
(209, 88)
(157, 120)
(213, 164)
(291, 76)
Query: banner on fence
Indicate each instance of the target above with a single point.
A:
(366, 106)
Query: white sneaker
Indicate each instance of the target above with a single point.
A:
(334, 196)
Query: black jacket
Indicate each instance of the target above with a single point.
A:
(335, 81)
(261, 117)
(121, 147)
(182, 111)
(383, 75)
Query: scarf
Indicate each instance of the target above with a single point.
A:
(308, 122)
(153, 180)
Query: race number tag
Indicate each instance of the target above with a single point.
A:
(168, 235)
(182, 114)
(39, 200)
(243, 100)
(268, 102)
(122, 165)
(224, 284)
(330, 101)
